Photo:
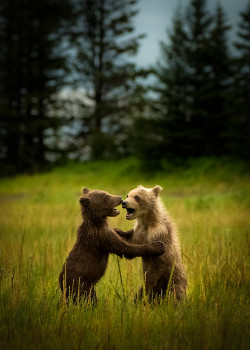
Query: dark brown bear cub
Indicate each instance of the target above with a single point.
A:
(88, 259)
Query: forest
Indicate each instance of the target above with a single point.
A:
(70, 88)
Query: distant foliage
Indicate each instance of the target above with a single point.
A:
(202, 102)
(32, 71)
(104, 41)
(239, 104)
(199, 105)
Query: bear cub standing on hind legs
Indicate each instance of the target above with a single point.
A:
(154, 223)
(88, 259)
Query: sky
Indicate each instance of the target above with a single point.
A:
(155, 17)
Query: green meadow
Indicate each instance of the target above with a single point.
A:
(39, 214)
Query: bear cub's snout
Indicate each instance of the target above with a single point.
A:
(124, 203)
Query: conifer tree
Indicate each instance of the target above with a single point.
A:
(105, 44)
(173, 102)
(219, 81)
(198, 27)
(193, 77)
(183, 99)
(239, 123)
(32, 71)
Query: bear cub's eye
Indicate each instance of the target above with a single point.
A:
(137, 198)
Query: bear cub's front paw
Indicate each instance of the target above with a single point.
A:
(130, 232)
(159, 247)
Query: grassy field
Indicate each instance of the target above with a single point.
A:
(39, 214)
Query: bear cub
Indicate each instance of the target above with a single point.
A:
(88, 259)
(154, 223)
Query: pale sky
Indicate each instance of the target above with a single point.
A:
(155, 17)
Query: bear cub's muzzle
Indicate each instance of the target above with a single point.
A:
(130, 211)
(124, 204)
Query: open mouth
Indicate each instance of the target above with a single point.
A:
(130, 213)
(115, 212)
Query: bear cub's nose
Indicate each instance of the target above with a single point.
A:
(124, 203)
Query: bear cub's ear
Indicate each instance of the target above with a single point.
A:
(85, 191)
(157, 189)
(84, 202)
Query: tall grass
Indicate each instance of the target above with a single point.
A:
(210, 203)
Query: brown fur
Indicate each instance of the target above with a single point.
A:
(154, 223)
(88, 259)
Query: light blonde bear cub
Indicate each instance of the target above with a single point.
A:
(153, 223)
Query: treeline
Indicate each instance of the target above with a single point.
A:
(202, 104)
(70, 88)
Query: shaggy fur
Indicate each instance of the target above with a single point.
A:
(154, 223)
(88, 259)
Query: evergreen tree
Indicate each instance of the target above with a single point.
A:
(198, 27)
(218, 84)
(105, 44)
(193, 77)
(173, 103)
(184, 75)
(239, 123)
(32, 71)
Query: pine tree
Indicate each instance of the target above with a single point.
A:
(32, 71)
(172, 88)
(198, 26)
(105, 45)
(239, 123)
(218, 83)
(193, 78)
(184, 75)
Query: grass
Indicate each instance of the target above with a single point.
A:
(39, 214)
